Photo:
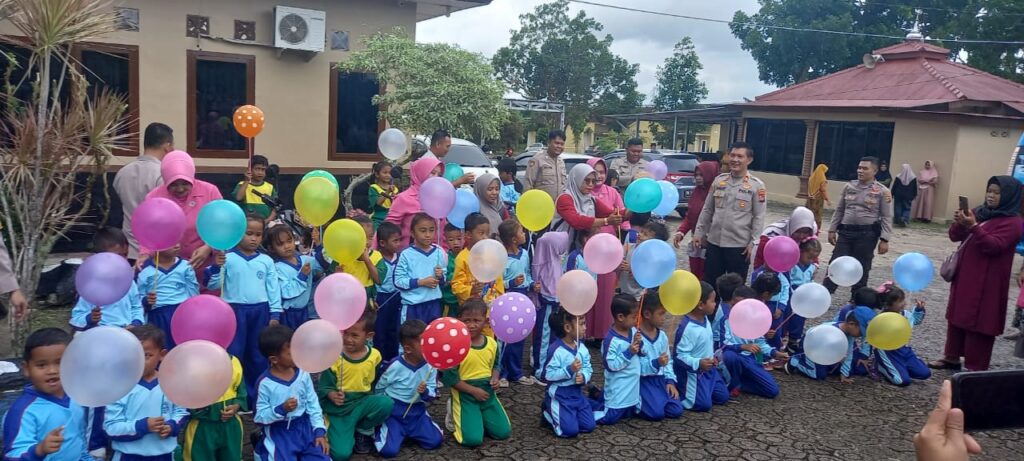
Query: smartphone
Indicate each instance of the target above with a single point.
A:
(990, 399)
(963, 203)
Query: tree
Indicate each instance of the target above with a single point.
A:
(679, 87)
(558, 58)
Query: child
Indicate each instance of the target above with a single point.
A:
(620, 352)
(411, 383)
(854, 325)
(250, 285)
(861, 297)
(567, 372)
(127, 311)
(517, 279)
(475, 409)
(389, 303)
(215, 432)
(364, 268)
(167, 281)
(454, 238)
(901, 365)
(743, 357)
(144, 424)
(464, 284)
(419, 273)
(353, 411)
(44, 422)
(381, 192)
(800, 274)
(694, 360)
(659, 397)
(778, 302)
(245, 191)
(575, 260)
(642, 232)
(295, 272)
(509, 189)
(547, 269)
(727, 285)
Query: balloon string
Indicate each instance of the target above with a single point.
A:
(639, 312)
(784, 322)
(415, 399)
(156, 273)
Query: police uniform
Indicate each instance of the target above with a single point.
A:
(627, 171)
(546, 173)
(732, 220)
(862, 218)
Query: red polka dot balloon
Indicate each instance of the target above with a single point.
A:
(445, 343)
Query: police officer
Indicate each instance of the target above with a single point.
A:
(546, 170)
(863, 219)
(632, 165)
(732, 218)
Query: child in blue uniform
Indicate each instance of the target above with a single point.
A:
(43, 422)
(862, 297)
(518, 280)
(419, 273)
(167, 281)
(659, 397)
(389, 302)
(287, 410)
(574, 260)
(144, 425)
(855, 326)
(296, 275)
(800, 274)
(743, 357)
(901, 365)
(778, 303)
(567, 372)
(126, 311)
(620, 352)
(411, 383)
(547, 269)
(726, 286)
(696, 367)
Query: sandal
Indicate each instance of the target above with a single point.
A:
(943, 364)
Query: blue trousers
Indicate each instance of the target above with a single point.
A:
(567, 411)
(416, 425)
(427, 312)
(118, 456)
(820, 372)
(776, 341)
(655, 403)
(542, 334)
(294, 318)
(385, 336)
(702, 389)
(512, 354)
(610, 416)
(160, 317)
(794, 329)
(901, 212)
(901, 366)
(250, 320)
(284, 441)
(747, 374)
(94, 428)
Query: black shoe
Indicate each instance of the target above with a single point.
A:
(364, 444)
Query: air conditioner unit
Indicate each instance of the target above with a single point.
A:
(299, 29)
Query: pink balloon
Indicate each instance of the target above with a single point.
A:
(603, 253)
(340, 299)
(316, 345)
(195, 374)
(576, 291)
(158, 223)
(204, 317)
(750, 319)
(437, 197)
(781, 253)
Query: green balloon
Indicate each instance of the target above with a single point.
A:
(452, 172)
(643, 195)
(322, 174)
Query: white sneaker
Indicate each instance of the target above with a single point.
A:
(502, 382)
(526, 381)
(538, 382)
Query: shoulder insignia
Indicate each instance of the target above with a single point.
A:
(762, 195)
(722, 183)
(532, 162)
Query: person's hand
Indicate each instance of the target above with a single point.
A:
(438, 273)
(228, 412)
(51, 443)
(942, 437)
(164, 431)
(707, 364)
(429, 282)
(422, 387)
(832, 237)
(579, 378)
(845, 380)
(752, 348)
(883, 247)
(519, 280)
(199, 257)
(779, 355)
(151, 298)
(365, 256)
(154, 424)
(663, 359)
(748, 252)
(964, 218)
(20, 305)
(291, 404)
(536, 287)
(769, 334)
(918, 304)
(677, 239)
(467, 178)
(576, 366)
(828, 202)
(306, 269)
(316, 236)
(495, 378)
(673, 393)
(95, 315)
(273, 322)
(625, 267)
(336, 397)
(323, 444)
(479, 394)
(614, 219)
(248, 176)
(698, 243)
(777, 313)
(477, 290)
(220, 259)
(634, 347)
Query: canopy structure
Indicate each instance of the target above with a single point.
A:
(725, 115)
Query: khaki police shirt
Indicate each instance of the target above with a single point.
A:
(627, 171)
(546, 173)
(733, 215)
(863, 205)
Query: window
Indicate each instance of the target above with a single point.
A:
(354, 124)
(218, 83)
(703, 145)
(114, 68)
(778, 145)
(842, 144)
(464, 155)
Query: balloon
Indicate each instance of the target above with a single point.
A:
(658, 169)
(445, 343)
(512, 317)
(465, 203)
(845, 271)
(781, 253)
(340, 299)
(392, 143)
(603, 253)
(652, 263)
(204, 317)
(750, 319)
(535, 210)
(249, 121)
(810, 300)
(316, 345)
(101, 365)
(643, 195)
(344, 240)
(680, 293)
(104, 278)
(487, 260)
(912, 271)
(316, 200)
(158, 223)
(577, 291)
(322, 174)
(825, 344)
(453, 171)
(221, 224)
(889, 331)
(437, 197)
(669, 199)
(195, 374)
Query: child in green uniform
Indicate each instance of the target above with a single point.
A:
(256, 181)
(214, 433)
(381, 192)
(454, 238)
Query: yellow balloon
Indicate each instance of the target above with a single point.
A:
(680, 293)
(535, 210)
(889, 331)
(316, 200)
(344, 240)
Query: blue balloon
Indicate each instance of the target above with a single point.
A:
(642, 196)
(221, 224)
(669, 199)
(465, 203)
(652, 263)
(913, 271)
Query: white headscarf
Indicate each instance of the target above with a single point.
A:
(800, 218)
(906, 175)
(584, 202)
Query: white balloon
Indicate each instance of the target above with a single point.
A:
(845, 271)
(316, 345)
(487, 260)
(101, 365)
(826, 344)
(392, 143)
(810, 300)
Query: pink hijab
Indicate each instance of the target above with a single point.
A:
(407, 203)
(179, 165)
(608, 195)
(928, 175)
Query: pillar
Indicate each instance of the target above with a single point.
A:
(809, 138)
(741, 130)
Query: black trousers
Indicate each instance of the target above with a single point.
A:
(861, 245)
(721, 260)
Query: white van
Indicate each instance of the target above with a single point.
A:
(463, 153)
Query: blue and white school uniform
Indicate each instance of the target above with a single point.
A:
(125, 423)
(850, 365)
(575, 261)
(296, 289)
(621, 397)
(718, 322)
(409, 418)
(698, 389)
(419, 302)
(512, 354)
(34, 415)
(779, 306)
(655, 403)
(902, 365)
(794, 329)
(291, 435)
(122, 313)
(389, 310)
(542, 337)
(172, 286)
(746, 371)
(565, 407)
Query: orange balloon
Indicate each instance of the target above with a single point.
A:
(249, 121)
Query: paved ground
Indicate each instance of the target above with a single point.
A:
(866, 420)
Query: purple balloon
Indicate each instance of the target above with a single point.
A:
(104, 278)
(158, 223)
(658, 169)
(512, 317)
(437, 197)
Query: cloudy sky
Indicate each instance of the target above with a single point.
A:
(645, 39)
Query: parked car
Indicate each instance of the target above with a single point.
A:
(463, 153)
(649, 155)
(685, 185)
(679, 163)
(570, 159)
